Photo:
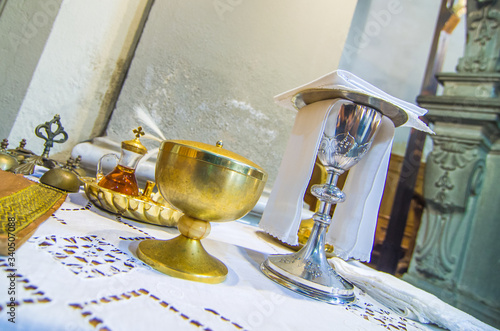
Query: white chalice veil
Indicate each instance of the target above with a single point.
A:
(354, 221)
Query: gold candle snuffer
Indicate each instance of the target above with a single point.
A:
(208, 184)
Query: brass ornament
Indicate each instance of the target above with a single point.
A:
(50, 135)
(20, 152)
(63, 178)
(47, 133)
(7, 160)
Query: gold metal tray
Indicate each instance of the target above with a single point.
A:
(143, 209)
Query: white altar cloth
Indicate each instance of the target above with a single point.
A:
(79, 271)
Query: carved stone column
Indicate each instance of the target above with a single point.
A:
(456, 254)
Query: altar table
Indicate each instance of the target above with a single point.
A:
(80, 271)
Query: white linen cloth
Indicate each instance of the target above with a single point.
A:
(344, 80)
(79, 271)
(354, 221)
(406, 299)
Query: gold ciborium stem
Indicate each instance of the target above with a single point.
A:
(184, 256)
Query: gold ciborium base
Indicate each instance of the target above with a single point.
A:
(182, 257)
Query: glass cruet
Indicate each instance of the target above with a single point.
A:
(122, 178)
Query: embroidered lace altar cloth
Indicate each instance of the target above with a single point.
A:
(79, 271)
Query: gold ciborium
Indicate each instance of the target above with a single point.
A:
(208, 184)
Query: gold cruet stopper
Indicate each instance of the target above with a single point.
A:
(135, 144)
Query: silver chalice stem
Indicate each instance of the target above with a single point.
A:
(308, 271)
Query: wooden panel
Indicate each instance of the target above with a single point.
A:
(414, 215)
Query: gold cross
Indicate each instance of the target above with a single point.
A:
(138, 132)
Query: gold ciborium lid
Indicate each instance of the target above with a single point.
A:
(208, 184)
(215, 155)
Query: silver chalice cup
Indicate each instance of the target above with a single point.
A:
(347, 138)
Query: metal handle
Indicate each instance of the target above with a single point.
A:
(99, 174)
(50, 135)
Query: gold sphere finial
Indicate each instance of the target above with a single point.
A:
(219, 144)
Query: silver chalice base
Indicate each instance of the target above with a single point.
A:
(334, 289)
(347, 138)
(306, 272)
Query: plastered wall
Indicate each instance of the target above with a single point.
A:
(208, 70)
(24, 28)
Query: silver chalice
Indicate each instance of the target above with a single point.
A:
(346, 139)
